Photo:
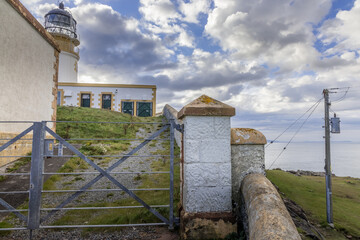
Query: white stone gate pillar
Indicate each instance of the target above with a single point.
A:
(206, 186)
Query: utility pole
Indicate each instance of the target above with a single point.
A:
(329, 210)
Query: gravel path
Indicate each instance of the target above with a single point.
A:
(132, 164)
(144, 233)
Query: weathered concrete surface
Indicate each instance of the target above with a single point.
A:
(245, 159)
(207, 164)
(19, 7)
(206, 106)
(207, 225)
(247, 136)
(206, 186)
(247, 156)
(28, 74)
(267, 215)
(28, 66)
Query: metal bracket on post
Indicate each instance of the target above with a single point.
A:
(36, 170)
(60, 149)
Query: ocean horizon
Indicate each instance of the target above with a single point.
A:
(310, 156)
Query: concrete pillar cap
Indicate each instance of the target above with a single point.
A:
(242, 136)
(206, 106)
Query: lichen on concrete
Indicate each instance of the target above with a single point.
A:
(206, 106)
(247, 136)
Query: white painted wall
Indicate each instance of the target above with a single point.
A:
(67, 69)
(122, 93)
(207, 164)
(26, 71)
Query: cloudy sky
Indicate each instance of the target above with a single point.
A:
(268, 59)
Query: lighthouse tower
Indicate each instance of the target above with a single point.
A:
(62, 26)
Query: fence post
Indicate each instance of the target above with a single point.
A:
(36, 170)
(206, 187)
(171, 210)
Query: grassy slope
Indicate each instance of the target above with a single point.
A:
(309, 193)
(95, 130)
(118, 216)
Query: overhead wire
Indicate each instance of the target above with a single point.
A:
(271, 142)
(343, 96)
(317, 104)
(313, 107)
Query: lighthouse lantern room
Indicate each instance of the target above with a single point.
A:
(61, 25)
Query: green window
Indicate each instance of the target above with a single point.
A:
(144, 109)
(127, 107)
(106, 101)
(85, 100)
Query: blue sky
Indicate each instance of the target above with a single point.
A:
(268, 59)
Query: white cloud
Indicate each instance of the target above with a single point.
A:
(42, 9)
(261, 29)
(343, 30)
(162, 17)
(269, 69)
(193, 8)
(160, 12)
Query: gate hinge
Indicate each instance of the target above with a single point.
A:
(179, 127)
(177, 221)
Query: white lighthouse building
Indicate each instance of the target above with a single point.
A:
(62, 26)
(137, 100)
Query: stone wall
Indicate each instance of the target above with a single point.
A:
(247, 156)
(207, 167)
(206, 182)
(170, 113)
(222, 168)
(266, 214)
(257, 203)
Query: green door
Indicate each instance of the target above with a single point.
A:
(127, 107)
(85, 100)
(106, 101)
(144, 109)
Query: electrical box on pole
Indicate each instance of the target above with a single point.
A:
(335, 124)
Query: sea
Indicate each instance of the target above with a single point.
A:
(310, 156)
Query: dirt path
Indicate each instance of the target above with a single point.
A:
(135, 233)
(134, 164)
(22, 182)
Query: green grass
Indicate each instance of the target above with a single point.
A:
(97, 130)
(5, 225)
(93, 130)
(128, 216)
(19, 163)
(115, 216)
(2, 178)
(309, 193)
(50, 183)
